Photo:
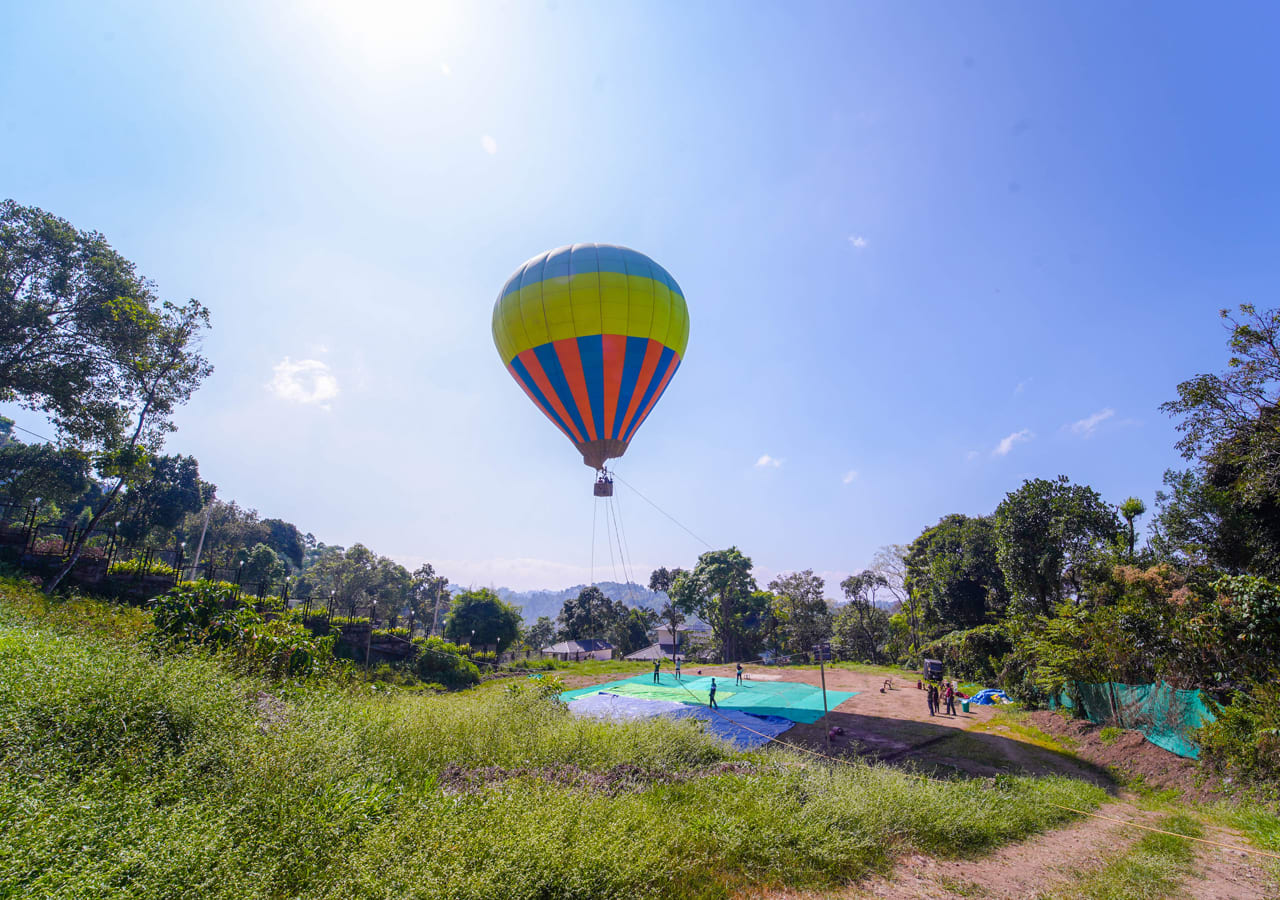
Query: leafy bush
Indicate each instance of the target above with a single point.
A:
(1244, 742)
(976, 654)
(443, 663)
(390, 632)
(137, 567)
(208, 613)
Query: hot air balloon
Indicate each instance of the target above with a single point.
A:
(593, 334)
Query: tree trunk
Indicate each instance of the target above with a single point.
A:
(78, 546)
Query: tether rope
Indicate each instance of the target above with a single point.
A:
(663, 511)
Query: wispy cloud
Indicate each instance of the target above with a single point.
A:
(305, 381)
(1088, 425)
(768, 462)
(1006, 444)
(972, 455)
(1022, 386)
(445, 70)
(849, 477)
(489, 144)
(858, 241)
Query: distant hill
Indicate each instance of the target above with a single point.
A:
(547, 603)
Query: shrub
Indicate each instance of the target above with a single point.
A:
(443, 663)
(390, 632)
(138, 567)
(207, 613)
(1244, 742)
(975, 654)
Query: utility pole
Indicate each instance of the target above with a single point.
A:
(822, 650)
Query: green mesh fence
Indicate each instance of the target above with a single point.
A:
(1165, 716)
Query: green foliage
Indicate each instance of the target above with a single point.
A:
(441, 662)
(541, 633)
(262, 565)
(56, 474)
(798, 604)
(138, 566)
(953, 572)
(481, 618)
(1243, 743)
(206, 613)
(230, 787)
(721, 592)
(1110, 734)
(976, 654)
(1052, 538)
(390, 632)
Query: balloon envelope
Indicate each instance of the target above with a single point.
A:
(593, 334)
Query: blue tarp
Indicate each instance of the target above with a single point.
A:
(988, 697)
(743, 730)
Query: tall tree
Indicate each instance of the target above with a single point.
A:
(57, 474)
(428, 596)
(1221, 413)
(1130, 509)
(171, 491)
(860, 590)
(800, 607)
(165, 369)
(540, 634)
(588, 615)
(890, 561)
(953, 573)
(1050, 540)
(718, 591)
(481, 619)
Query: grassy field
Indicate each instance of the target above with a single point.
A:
(124, 772)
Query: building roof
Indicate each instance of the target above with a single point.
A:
(586, 645)
(654, 651)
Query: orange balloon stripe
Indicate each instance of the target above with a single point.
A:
(615, 353)
(540, 378)
(571, 362)
(651, 356)
(671, 370)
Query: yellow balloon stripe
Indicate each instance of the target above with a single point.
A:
(589, 303)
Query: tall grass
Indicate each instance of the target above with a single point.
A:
(128, 773)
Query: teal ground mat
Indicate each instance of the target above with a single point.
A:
(788, 699)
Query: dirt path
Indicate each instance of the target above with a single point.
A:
(1022, 870)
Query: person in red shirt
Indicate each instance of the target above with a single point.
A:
(951, 699)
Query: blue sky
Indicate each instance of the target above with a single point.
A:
(929, 250)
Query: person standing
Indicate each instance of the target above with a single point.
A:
(657, 664)
(739, 681)
(711, 693)
(931, 694)
(677, 668)
(951, 699)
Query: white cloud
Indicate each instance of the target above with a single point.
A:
(304, 381)
(768, 462)
(445, 70)
(489, 144)
(1088, 425)
(858, 241)
(1007, 444)
(971, 455)
(849, 476)
(1022, 386)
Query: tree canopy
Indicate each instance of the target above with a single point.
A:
(481, 619)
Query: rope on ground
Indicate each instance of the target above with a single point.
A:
(1082, 812)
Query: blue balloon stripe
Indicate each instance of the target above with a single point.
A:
(546, 354)
(636, 347)
(550, 411)
(664, 362)
(591, 350)
(582, 259)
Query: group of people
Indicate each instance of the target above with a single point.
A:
(937, 696)
(711, 691)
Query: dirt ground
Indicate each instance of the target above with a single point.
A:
(893, 726)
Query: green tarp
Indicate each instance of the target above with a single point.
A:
(788, 699)
(1165, 716)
